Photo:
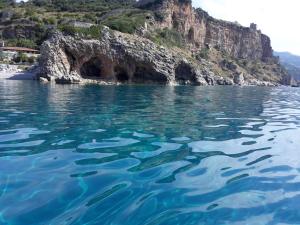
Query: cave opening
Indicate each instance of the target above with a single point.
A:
(145, 73)
(184, 74)
(92, 69)
(121, 74)
(191, 34)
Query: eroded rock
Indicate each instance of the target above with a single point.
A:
(239, 78)
(115, 57)
(122, 58)
(200, 30)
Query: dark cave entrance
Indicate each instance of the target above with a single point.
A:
(145, 73)
(121, 74)
(184, 74)
(92, 69)
(191, 34)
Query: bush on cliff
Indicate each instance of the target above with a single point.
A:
(203, 54)
(168, 37)
(93, 32)
(6, 3)
(127, 23)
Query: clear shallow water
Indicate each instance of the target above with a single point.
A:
(148, 155)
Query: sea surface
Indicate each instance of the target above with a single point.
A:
(148, 155)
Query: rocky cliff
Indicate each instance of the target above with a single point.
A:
(201, 30)
(123, 58)
(119, 58)
(214, 52)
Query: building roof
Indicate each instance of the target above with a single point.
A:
(18, 49)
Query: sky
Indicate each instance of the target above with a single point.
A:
(279, 19)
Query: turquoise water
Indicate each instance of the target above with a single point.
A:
(133, 155)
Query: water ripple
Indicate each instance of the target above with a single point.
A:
(150, 155)
(109, 143)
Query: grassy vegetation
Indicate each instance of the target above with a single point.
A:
(93, 32)
(81, 5)
(31, 20)
(47, 14)
(203, 54)
(127, 22)
(22, 42)
(23, 58)
(6, 3)
(168, 37)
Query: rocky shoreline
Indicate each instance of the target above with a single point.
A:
(177, 45)
(167, 42)
(122, 58)
(14, 72)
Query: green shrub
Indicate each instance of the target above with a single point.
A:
(21, 58)
(204, 53)
(90, 18)
(22, 42)
(50, 21)
(126, 23)
(31, 60)
(29, 12)
(168, 37)
(93, 32)
(35, 18)
(67, 29)
(83, 5)
(6, 3)
(17, 15)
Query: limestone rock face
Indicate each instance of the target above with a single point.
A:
(201, 30)
(239, 79)
(115, 58)
(123, 58)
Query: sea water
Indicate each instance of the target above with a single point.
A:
(146, 155)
